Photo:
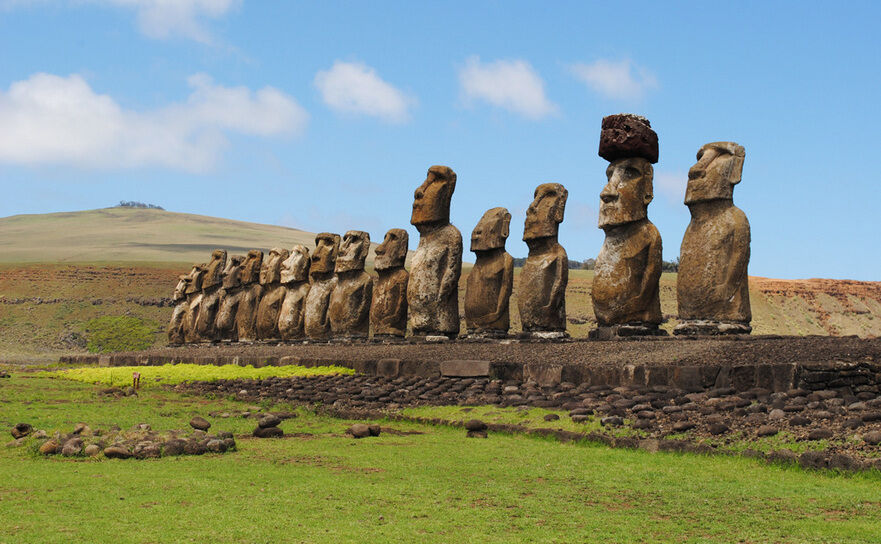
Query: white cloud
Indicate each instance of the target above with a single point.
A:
(50, 119)
(671, 185)
(510, 84)
(621, 80)
(162, 18)
(353, 87)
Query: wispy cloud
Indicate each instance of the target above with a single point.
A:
(354, 87)
(671, 185)
(50, 119)
(510, 84)
(622, 80)
(160, 19)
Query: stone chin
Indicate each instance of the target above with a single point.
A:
(613, 216)
(535, 229)
(695, 193)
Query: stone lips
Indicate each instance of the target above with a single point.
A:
(626, 135)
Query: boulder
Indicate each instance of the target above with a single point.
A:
(358, 430)
(21, 430)
(117, 452)
(49, 447)
(268, 432)
(475, 425)
(200, 423)
(92, 450)
(72, 447)
(269, 420)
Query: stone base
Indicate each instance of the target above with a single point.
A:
(543, 335)
(623, 331)
(387, 339)
(486, 335)
(708, 327)
(348, 339)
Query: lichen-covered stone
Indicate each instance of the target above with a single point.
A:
(349, 310)
(388, 307)
(317, 323)
(491, 280)
(273, 293)
(295, 280)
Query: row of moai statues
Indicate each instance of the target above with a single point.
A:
(291, 296)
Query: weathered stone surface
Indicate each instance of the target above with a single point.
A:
(475, 425)
(491, 280)
(200, 423)
(712, 285)
(358, 430)
(269, 420)
(212, 285)
(50, 447)
(249, 296)
(194, 301)
(464, 368)
(317, 323)
(388, 307)
(268, 432)
(92, 450)
(117, 452)
(433, 288)
(272, 296)
(625, 288)
(541, 297)
(626, 135)
(21, 430)
(175, 330)
(349, 310)
(225, 323)
(295, 282)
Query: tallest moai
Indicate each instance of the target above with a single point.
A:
(625, 292)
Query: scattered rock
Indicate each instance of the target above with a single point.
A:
(819, 434)
(476, 434)
(580, 418)
(782, 456)
(358, 430)
(872, 438)
(813, 460)
(475, 425)
(81, 428)
(4, 375)
(799, 421)
(201, 423)
(216, 446)
(146, 450)
(21, 430)
(49, 447)
(767, 430)
(716, 429)
(682, 426)
(613, 421)
(117, 452)
(551, 417)
(268, 432)
(375, 430)
(92, 450)
(175, 446)
(72, 447)
(776, 414)
(195, 447)
(269, 420)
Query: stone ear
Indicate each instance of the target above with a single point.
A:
(506, 225)
(365, 249)
(736, 169)
(560, 208)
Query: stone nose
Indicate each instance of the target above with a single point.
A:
(608, 194)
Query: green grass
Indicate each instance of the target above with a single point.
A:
(120, 333)
(171, 374)
(438, 486)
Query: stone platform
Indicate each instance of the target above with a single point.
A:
(741, 362)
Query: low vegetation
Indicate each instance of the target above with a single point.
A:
(171, 374)
(120, 333)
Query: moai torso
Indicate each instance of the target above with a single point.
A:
(249, 297)
(388, 307)
(295, 280)
(194, 301)
(272, 296)
(211, 294)
(541, 297)
(625, 290)
(433, 287)
(349, 311)
(225, 322)
(491, 280)
(317, 324)
(712, 284)
(175, 331)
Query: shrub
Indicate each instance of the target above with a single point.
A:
(119, 333)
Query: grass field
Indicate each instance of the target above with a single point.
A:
(414, 483)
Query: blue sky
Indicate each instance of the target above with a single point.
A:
(325, 116)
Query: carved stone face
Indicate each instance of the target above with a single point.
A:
(626, 196)
(327, 247)
(270, 271)
(718, 169)
(392, 252)
(353, 252)
(431, 201)
(214, 273)
(196, 275)
(296, 266)
(232, 274)
(492, 230)
(251, 267)
(181, 288)
(545, 214)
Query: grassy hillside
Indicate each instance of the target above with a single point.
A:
(60, 272)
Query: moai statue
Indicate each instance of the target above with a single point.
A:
(388, 310)
(625, 289)
(231, 293)
(175, 329)
(433, 289)
(194, 302)
(295, 279)
(272, 294)
(712, 285)
(541, 297)
(249, 297)
(321, 272)
(489, 285)
(349, 310)
(212, 285)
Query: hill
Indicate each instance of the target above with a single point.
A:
(60, 272)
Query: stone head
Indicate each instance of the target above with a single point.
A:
(251, 267)
(214, 273)
(270, 271)
(180, 289)
(392, 252)
(718, 169)
(628, 192)
(296, 266)
(544, 215)
(232, 274)
(431, 201)
(327, 247)
(196, 275)
(353, 251)
(492, 230)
